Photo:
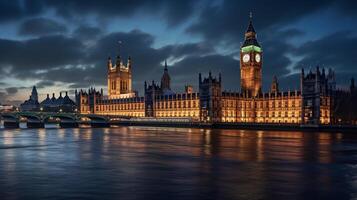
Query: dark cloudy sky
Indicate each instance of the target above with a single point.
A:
(62, 45)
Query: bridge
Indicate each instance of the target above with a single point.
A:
(65, 120)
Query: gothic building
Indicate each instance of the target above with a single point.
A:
(312, 104)
(119, 79)
(345, 107)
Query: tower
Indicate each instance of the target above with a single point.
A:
(119, 78)
(251, 63)
(210, 98)
(317, 92)
(274, 85)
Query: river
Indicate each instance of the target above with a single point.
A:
(176, 163)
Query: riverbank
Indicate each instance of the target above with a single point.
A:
(233, 126)
(245, 126)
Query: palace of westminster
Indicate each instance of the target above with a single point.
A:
(312, 104)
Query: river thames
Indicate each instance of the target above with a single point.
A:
(176, 163)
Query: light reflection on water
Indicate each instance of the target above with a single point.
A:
(176, 163)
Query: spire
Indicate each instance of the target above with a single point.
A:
(165, 79)
(118, 61)
(250, 34)
(129, 62)
(109, 63)
(250, 26)
(274, 85)
(34, 94)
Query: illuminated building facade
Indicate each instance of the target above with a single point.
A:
(312, 104)
(119, 79)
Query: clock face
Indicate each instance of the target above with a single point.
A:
(246, 58)
(257, 57)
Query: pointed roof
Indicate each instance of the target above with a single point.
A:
(165, 65)
(165, 79)
(250, 26)
(34, 89)
(275, 79)
(250, 35)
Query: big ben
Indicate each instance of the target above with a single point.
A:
(251, 63)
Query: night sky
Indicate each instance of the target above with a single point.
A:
(63, 45)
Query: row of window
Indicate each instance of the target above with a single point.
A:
(270, 104)
(177, 114)
(114, 107)
(271, 114)
(176, 104)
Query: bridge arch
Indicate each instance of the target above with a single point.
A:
(10, 120)
(96, 120)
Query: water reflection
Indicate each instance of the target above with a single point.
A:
(176, 163)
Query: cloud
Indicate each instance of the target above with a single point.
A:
(45, 83)
(41, 53)
(229, 19)
(11, 90)
(86, 32)
(336, 51)
(41, 26)
(75, 53)
(174, 12)
(11, 10)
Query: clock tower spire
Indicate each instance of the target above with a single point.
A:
(251, 62)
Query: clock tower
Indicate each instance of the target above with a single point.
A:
(251, 63)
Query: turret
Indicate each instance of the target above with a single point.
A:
(118, 62)
(274, 85)
(109, 63)
(129, 63)
(302, 76)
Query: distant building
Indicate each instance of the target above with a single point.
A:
(312, 104)
(60, 104)
(32, 103)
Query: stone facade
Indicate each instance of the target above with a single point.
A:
(312, 104)
(119, 79)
